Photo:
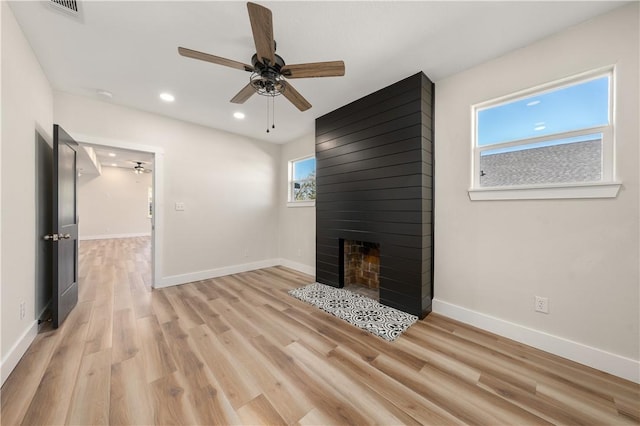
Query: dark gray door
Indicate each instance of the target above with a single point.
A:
(65, 225)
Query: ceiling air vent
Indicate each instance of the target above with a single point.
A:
(69, 6)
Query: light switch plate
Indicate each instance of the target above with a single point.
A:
(179, 206)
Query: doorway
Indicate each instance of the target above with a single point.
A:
(115, 202)
(128, 156)
(152, 160)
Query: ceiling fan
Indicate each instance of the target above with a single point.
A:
(139, 168)
(268, 70)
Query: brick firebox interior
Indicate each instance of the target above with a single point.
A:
(362, 264)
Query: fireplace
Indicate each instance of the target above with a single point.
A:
(374, 169)
(361, 267)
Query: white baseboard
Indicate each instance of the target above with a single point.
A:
(213, 273)
(16, 352)
(112, 236)
(301, 267)
(617, 365)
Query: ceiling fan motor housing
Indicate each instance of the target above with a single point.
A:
(267, 79)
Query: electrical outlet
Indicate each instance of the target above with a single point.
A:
(542, 304)
(246, 252)
(22, 310)
(299, 252)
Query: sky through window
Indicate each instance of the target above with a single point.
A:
(302, 169)
(569, 108)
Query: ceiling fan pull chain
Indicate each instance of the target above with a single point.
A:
(267, 115)
(273, 111)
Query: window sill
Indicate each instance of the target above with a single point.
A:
(589, 190)
(301, 203)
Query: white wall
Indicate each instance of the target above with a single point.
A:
(493, 257)
(113, 204)
(27, 108)
(228, 183)
(297, 236)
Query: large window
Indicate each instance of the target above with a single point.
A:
(302, 181)
(557, 136)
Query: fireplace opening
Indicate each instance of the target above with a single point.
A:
(362, 268)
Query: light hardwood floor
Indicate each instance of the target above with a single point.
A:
(239, 350)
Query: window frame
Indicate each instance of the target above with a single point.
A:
(606, 187)
(291, 202)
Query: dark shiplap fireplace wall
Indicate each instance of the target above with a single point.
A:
(374, 184)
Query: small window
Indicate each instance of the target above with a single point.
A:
(302, 181)
(560, 135)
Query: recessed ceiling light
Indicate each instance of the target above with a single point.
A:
(114, 165)
(111, 154)
(167, 97)
(239, 115)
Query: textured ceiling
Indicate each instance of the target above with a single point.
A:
(130, 49)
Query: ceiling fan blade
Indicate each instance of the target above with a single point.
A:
(262, 27)
(243, 94)
(296, 98)
(314, 69)
(214, 59)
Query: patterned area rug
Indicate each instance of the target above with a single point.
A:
(358, 310)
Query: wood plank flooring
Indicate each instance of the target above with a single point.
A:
(239, 350)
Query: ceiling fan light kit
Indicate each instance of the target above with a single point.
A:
(269, 70)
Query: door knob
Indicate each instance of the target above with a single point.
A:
(56, 237)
